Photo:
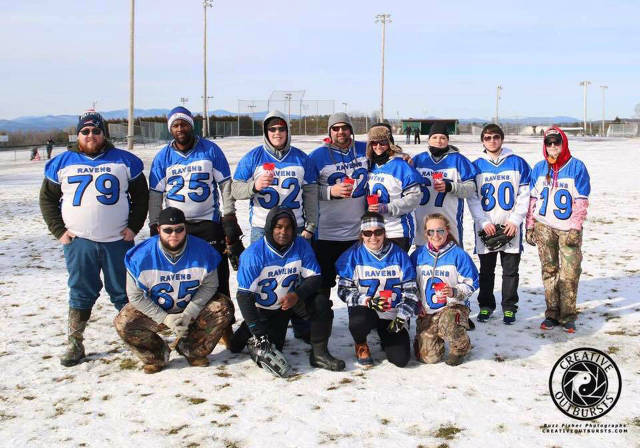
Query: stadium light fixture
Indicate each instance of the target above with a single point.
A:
(384, 19)
(603, 90)
(585, 84)
(205, 117)
(130, 128)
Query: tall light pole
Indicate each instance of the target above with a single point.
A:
(498, 90)
(184, 100)
(384, 19)
(130, 129)
(205, 115)
(603, 90)
(252, 106)
(288, 98)
(585, 84)
(345, 106)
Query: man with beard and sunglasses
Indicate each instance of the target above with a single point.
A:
(172, 283)
(502, 182)
(93, 201)
(192, 174)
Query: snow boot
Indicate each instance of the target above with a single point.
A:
(454, 360)
(320, 356)
(75, 349)
(239, 339)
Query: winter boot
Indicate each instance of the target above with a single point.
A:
(454, 360)
(239, 339)
(363, 355)
(75, 349)
(320, 356)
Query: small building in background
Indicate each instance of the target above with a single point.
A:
(425, 125)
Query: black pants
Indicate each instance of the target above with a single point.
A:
(213, 233)
(510, 278)
(315, 311)
(396, 346)
(327, 252)
(403, 243)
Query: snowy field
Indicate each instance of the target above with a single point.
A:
(498, 397)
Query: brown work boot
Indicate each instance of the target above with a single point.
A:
(226, 337)
(152, 368)
(77, 322)
(198, 362)
(363, 355)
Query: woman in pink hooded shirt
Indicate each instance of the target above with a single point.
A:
(560, 190)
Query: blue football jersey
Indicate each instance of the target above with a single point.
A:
(339, 219)
(270, 275)
(171, 283)
(554, 203)
(95, 201)
(389, 182)
(291, 173)
(373, 274)
(454, 167)
(452, 266)
(190, 179)
(503, 192)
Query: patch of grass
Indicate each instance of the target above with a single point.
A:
(195, 400)
(59, 411)
(346, 381)
(613, 350)
(223, 374)
(498, 358)
(222, 407)
(4, 416)
(501, 428)
(193, 445)
(331, 388)
(616, 333)
(316, 408)
(85, 399)
(385, 421)
(47, 356)
(128, 364)
(106, 397)
(29, 397)
(447, 432)
(59, 379)
(231, 444)
(636, 421)
(177, 429)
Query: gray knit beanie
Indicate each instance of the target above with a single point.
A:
(339, 117)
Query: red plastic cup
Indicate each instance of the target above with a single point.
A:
(268, 166)
(348, 180)
(372, 199)
(437, 176)
(438, 288)
(386, 293)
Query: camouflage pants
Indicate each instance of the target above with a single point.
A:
(433, 330)
(139, 332)
(560, 272)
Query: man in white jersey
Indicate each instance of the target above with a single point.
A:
(342, 182)
(94, 201)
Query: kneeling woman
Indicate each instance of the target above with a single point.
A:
(446, 277)
(378, 283)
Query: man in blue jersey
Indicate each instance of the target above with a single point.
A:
(342, 181)
(94, 201)
(279, 276)
(449, 178)
(277, 174)
(172, 283)
(502, 182)
(192, 174)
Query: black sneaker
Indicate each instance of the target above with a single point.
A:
(569, 327)
(509, 317)
(484, 314)
(548, 324)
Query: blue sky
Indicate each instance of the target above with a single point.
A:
(443, 59)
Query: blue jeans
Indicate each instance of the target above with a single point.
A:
(258, 232)
(85, 259)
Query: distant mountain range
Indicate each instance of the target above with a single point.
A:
(49, 122)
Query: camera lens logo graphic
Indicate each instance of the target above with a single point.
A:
(585, 383)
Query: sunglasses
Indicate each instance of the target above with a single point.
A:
(379, 142)
(275, 129)
(170, 230)
(377, 232)
(432, 232)
(94, 131)
(344, 127)
(494, 137)
(552, 142)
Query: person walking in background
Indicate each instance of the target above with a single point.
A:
(502, 183)
(93, 201)
(408, 132)
(49, 148)
(560, 187)
(416, 135)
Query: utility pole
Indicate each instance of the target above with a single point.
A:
(130, 128)
(585, 84)
(184, 100)
(384, 19)
(498, 90)
(603, 90)
(345, 106)
(252, 106)
(205, 115)
(288, 97)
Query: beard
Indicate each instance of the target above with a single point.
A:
(177, 248)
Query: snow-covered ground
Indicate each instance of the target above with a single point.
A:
(498, 397)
